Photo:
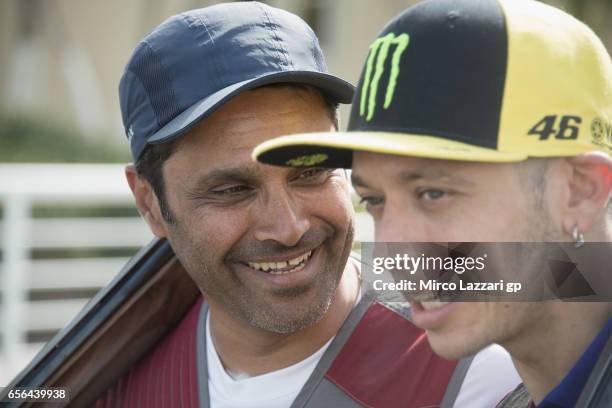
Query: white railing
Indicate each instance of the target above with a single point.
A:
(21, 188)
(24, 186)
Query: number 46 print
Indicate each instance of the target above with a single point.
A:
(567, 127)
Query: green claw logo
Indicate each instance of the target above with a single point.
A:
(379, 51)
(309, 160)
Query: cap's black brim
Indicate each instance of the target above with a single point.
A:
(336, 149)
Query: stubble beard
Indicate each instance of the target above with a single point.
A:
(509, 322)
(252, 307)
(522, 319)
(303, 315)
(296, 315)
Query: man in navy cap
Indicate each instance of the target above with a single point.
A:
(283, 320)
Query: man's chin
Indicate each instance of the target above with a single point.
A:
(453, 347)
(289, 323)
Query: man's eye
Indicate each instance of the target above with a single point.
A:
(432, 194)
(312, 176)
(230, 190)
(311, 173)
(370, 202)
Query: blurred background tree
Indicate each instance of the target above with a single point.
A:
(62, 59)
(597, 14)
(34, 139)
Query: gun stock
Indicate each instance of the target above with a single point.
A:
(114, 330)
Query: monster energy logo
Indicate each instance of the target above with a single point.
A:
(308, 160)
(379, 50)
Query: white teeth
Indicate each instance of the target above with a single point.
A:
(432, 304)
(273, 267)
(297, 268)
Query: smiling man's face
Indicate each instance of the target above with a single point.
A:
(425, 200)
(265, 244)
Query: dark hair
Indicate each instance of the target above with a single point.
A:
(149, 165)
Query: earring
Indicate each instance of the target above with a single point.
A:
(577, 237)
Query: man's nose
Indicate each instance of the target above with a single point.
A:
(399, 225)
(281, 219)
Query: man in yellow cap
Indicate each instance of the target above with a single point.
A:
(486, 121)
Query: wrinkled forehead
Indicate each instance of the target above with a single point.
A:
(226, 139)
(256, 116)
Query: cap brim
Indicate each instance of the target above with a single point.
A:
(338, 89)
(335, 149)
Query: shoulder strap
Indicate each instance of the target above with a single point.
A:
(202, 357)
(517, 398)
(306, 393)
(455, 383)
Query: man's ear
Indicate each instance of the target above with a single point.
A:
(590, 188)
(146, 202)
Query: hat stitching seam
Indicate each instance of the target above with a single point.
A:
(320, 62)
(284, 48)
(216, 67)
(280, 50)
(191, 23)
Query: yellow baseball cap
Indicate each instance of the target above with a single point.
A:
(473, 80)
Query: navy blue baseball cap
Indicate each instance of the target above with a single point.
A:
(196, 61)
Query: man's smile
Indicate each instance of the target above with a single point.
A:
(286, 271)
(282, 267)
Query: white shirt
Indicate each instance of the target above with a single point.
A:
(489, 378)
(277, 389)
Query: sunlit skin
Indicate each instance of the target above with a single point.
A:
(426, 200)
(230, 211)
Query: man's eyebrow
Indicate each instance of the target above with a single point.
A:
(432, 174)
(242, 173)
(406, 176)
(358, 181)
(413, 175)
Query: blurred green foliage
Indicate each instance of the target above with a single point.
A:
(84, 211)
(29, 139)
